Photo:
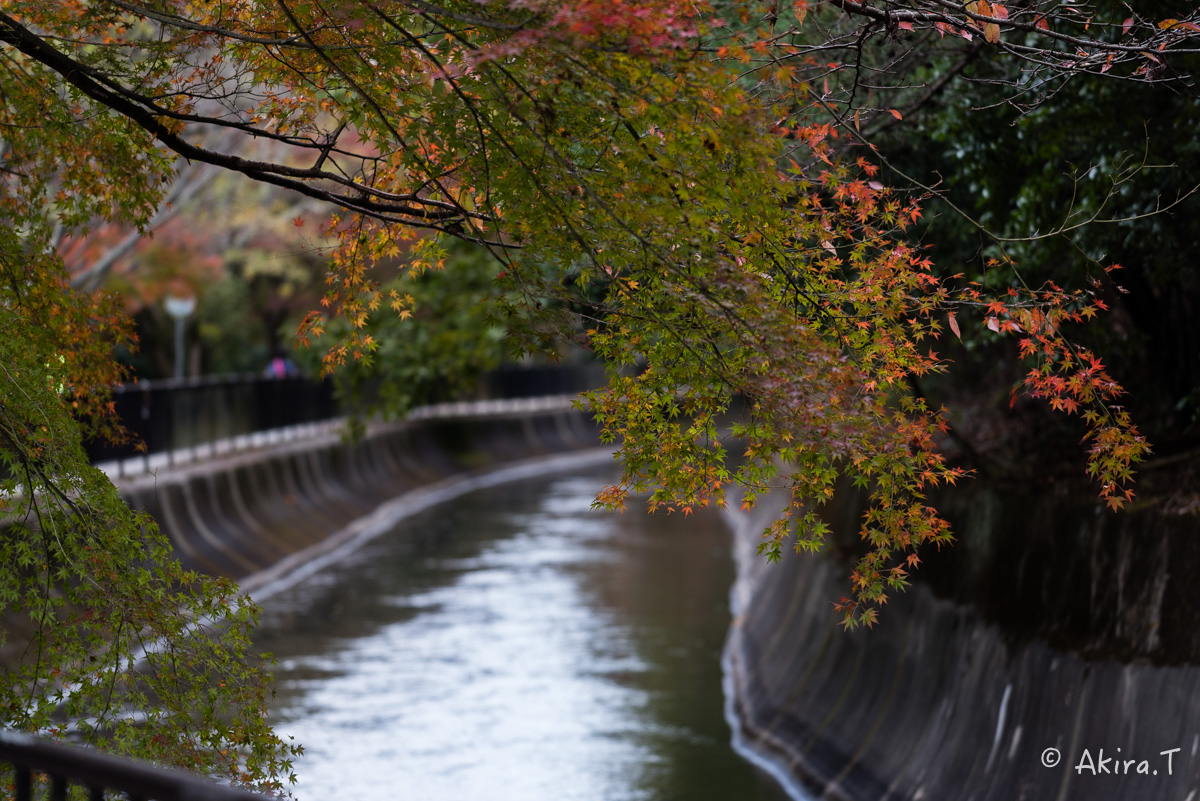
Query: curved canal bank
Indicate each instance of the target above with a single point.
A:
(1050, 654)
(260, 515)
(284, 518)
(1045, 656)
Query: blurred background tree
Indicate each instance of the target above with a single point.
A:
(436, 352)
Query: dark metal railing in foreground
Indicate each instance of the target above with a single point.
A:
(102, 776)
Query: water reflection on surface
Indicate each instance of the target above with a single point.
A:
(513, 644)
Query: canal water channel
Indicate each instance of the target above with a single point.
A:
(514, 644)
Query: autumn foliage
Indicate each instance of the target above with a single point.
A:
(691, 190)
(106, 638)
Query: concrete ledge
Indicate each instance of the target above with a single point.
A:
(258, 514)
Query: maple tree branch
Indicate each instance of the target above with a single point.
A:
(893, 13)
(183, 23)
(410, 210)
(983, 229)
(933, 91)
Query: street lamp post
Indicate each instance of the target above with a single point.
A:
(179, 309)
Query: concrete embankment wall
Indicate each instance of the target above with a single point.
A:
(262, 514)
(1048, 626)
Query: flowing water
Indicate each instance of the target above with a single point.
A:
(513, 644)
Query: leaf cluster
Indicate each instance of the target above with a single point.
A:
(690, 189)
(107, 639)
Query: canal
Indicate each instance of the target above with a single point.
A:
(514, 644)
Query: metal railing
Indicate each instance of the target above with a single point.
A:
(176, 415)
(194, 418)
(99, 775)
(527, 381)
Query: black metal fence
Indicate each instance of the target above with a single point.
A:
(170, 415)
(45, 770)
(530, 382)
